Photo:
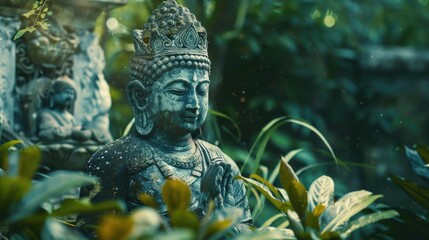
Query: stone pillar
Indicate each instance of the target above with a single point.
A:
(9, 26)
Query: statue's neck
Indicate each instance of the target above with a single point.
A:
(177, 143)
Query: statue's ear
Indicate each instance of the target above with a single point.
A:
(137, 93)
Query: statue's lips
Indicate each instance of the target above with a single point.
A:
(190, 117)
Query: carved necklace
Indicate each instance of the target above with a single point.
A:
(185, 163)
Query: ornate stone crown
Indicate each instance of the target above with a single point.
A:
(172, 37)
(171, 30)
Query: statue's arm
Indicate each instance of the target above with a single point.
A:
(111, 171)
(49, 129)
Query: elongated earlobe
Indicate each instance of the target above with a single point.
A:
(137, 93)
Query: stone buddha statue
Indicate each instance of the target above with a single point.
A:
(56, 122)
(169, 93)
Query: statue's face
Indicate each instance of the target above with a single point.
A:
(180, 100)
(63, 98)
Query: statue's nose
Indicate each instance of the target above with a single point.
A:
(192, 103)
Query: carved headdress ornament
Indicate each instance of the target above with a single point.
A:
(172, 37)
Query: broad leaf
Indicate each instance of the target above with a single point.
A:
(115, 228)
(287, 175)
(369, 219)
(282, 206)
(73, 206)
(148, 200)
(312, 218)
(12, 189)
(423, 152)
(298, 198)
(294, 222)
(176, 195)
(58, 183)
(321, 192)
(416, 161)
(273, 189)
(4, 153)
(29, 159)
(184, 219)
(417, 192)
(349, 205)
(272, 219)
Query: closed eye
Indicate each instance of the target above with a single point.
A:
(177, 92)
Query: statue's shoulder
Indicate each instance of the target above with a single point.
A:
(130, 152)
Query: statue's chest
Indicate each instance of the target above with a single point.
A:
(151, 180)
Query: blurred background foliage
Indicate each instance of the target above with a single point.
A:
(355, 69)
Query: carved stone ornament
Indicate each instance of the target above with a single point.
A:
(168, 91)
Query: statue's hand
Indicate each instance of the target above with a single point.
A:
(81, 135)
(211, 181)
(217, 184)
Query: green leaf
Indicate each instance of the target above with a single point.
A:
(312, 218)
(417, 192)
(294, 222)
(349, 205)
(29, 159)
(272, 219)
(45, 10)
(43, 15)
(73, 206)
(148, 200)
(217, 227)
(57, 183)
(49, 13)
(129, 127)
(267, 184)
(222, 115)
(29, 13)
(12, 189)
(20, 33)
(115, 228)
(282, 206)
(287, 175)
(298, 198)
(321, 192)
(264, 136)
(43, 24)
(423, 152)
(176, 195)
(4, 153)
(369, 219)
(184, 219)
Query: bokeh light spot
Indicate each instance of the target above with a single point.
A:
(329, 21)
(112, 23)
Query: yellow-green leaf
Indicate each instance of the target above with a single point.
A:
(115, 228)
(312, 218)
(298, 198)
(29, 159)
(216, 227)
(176, 195)
(12, 189)
(287, 175)
(29, 13)
(148, 200)
(184, 219)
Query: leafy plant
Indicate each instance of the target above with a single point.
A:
(38, 13)
(314, 214)
(22, 197)
(146, 223)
